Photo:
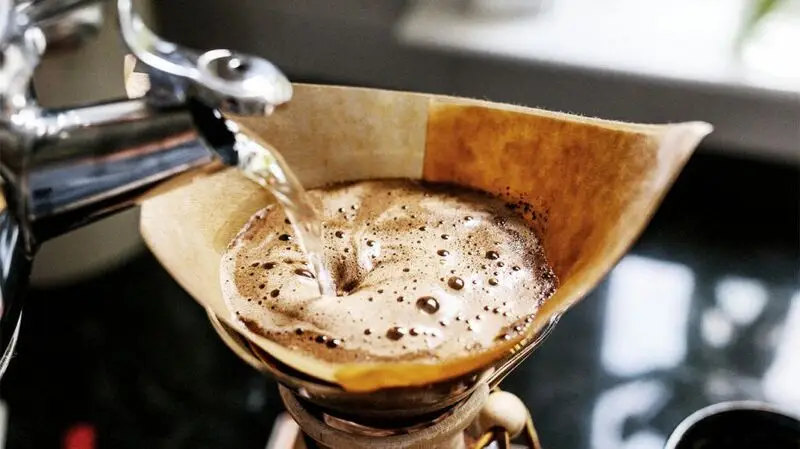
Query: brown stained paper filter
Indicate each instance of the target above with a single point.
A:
(592, 184)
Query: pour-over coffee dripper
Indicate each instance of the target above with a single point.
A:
(592, 186)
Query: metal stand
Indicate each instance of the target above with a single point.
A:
(319, 430)
(481, 421)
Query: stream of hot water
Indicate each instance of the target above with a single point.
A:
(268, 169)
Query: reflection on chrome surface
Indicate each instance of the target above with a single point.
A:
(716, 328)
(620, 412)
(782, 379)
(739, 302)
(742, 300)
(641, 287)
(674, 337)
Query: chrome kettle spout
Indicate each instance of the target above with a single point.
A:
(62, 169)
(66, 168)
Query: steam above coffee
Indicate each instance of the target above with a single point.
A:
(422, 272)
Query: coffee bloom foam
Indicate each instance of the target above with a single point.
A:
(423, 272)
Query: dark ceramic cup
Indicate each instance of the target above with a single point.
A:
(738, 425)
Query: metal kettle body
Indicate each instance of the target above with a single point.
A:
(62, 169)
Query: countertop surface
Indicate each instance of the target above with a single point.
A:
(705, 308)
(633, 37)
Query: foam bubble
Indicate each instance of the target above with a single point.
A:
(428, 304)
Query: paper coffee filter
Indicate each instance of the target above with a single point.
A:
(592, 186)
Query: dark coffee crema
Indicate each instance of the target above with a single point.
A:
(423, 272)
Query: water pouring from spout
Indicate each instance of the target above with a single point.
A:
(268, 169)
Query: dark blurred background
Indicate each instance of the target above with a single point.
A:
(706, 308)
